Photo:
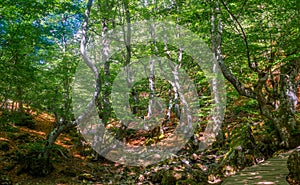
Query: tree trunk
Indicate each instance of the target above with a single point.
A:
(127, 40)
(283, 117)
(62, 126)
(213, 128)
(106, 112)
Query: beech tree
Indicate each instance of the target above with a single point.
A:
(254, 43)
(274, 64)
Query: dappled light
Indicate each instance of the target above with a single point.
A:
(140, 92)
(272, 171)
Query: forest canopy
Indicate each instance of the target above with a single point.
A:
(163, 78)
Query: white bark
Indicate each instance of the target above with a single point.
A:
(213, 129)
(62, 127)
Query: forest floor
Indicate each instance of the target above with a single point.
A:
(74, 162)
(70, 160)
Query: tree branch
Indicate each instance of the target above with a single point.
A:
(217, 39)
(89, 63)
(252, 65)
(63, 126)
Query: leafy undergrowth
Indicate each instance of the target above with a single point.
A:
(247, 140)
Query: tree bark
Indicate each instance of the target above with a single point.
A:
(283, 118)
(106, 90)
(213, 129)
(53, 135)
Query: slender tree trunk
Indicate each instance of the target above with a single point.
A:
(127, 39)
(152, 77)
(152, 89)
(176, 77)
(151, 105)
(217, 90)
(106, 112)
(173, 101)
(62, 126)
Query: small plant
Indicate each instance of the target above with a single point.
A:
(24, 119)
(33, 161)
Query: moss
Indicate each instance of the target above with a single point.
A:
(168, 179)
(186, 182)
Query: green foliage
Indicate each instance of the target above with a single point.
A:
(23, 119)
(37, 53)
(8, 128)
(37, 146)
(250, 107)
(39, 43)
(32, 160)
(16, 118)
(168, 178)
(32, 157)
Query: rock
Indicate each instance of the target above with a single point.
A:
(194, 157)
(293, 164)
